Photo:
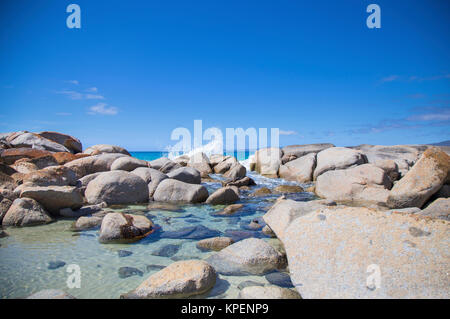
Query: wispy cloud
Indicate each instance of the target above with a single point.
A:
(92, 89)
(75, 95)
(75, 82)
(94, 97)
(434, 114)
(63, 114)
(103, 108)
(415, 78)
(281, 132)
(390, 78)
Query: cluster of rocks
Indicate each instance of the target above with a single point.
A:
(47, 175)
(390, 176)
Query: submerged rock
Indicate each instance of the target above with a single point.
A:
(179, 280)
(56, 264)
(191, 232)
(229, 210)
(51, 294)
(249, 283)
(280, 279)
(263, 191)
(125, 272)
(288, 189)
(216, 243)
(248, 257)
(124, 253)
(167, 250)
(268, 292)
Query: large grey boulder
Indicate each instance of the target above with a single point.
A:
(268, 292)
(224, 165)
(36, 141)
(158, 163)
(181, 279)
(93, 164)
(169, 167)
(26, 212)
(236, 172)
(363, 253)
(6, 199)
(117, 187)
(268, 161)
(215, 159)
(200, 162)
(54, 198)
(224, 196)
(71, 143)
(365, 183)
(337, 158)
(284, 211)
(105, 148)
(424, 179)
(250, 256)
(292, 152)
(171, 190)
(440, 208)
(300, 169)
(124, 228)
(151, 176)
(186, 174)
(127, 163)
(403, 155)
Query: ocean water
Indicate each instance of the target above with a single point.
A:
(25, 254)
(150, 156)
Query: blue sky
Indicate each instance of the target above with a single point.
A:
(136, 70)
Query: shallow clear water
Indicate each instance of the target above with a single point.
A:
(25, 254)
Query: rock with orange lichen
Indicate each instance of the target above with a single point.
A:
(9, 156)
(66, 157)
(181, 279)
(424, 179)
(71, 143)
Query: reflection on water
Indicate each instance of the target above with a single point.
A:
(25, 255)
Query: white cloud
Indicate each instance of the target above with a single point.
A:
(288, 132)
(94, 97)
(74, 95)
(92, 89)
(390, 78)
(102, 108)
(73, 82)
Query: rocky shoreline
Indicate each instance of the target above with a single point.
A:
(386, 206)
